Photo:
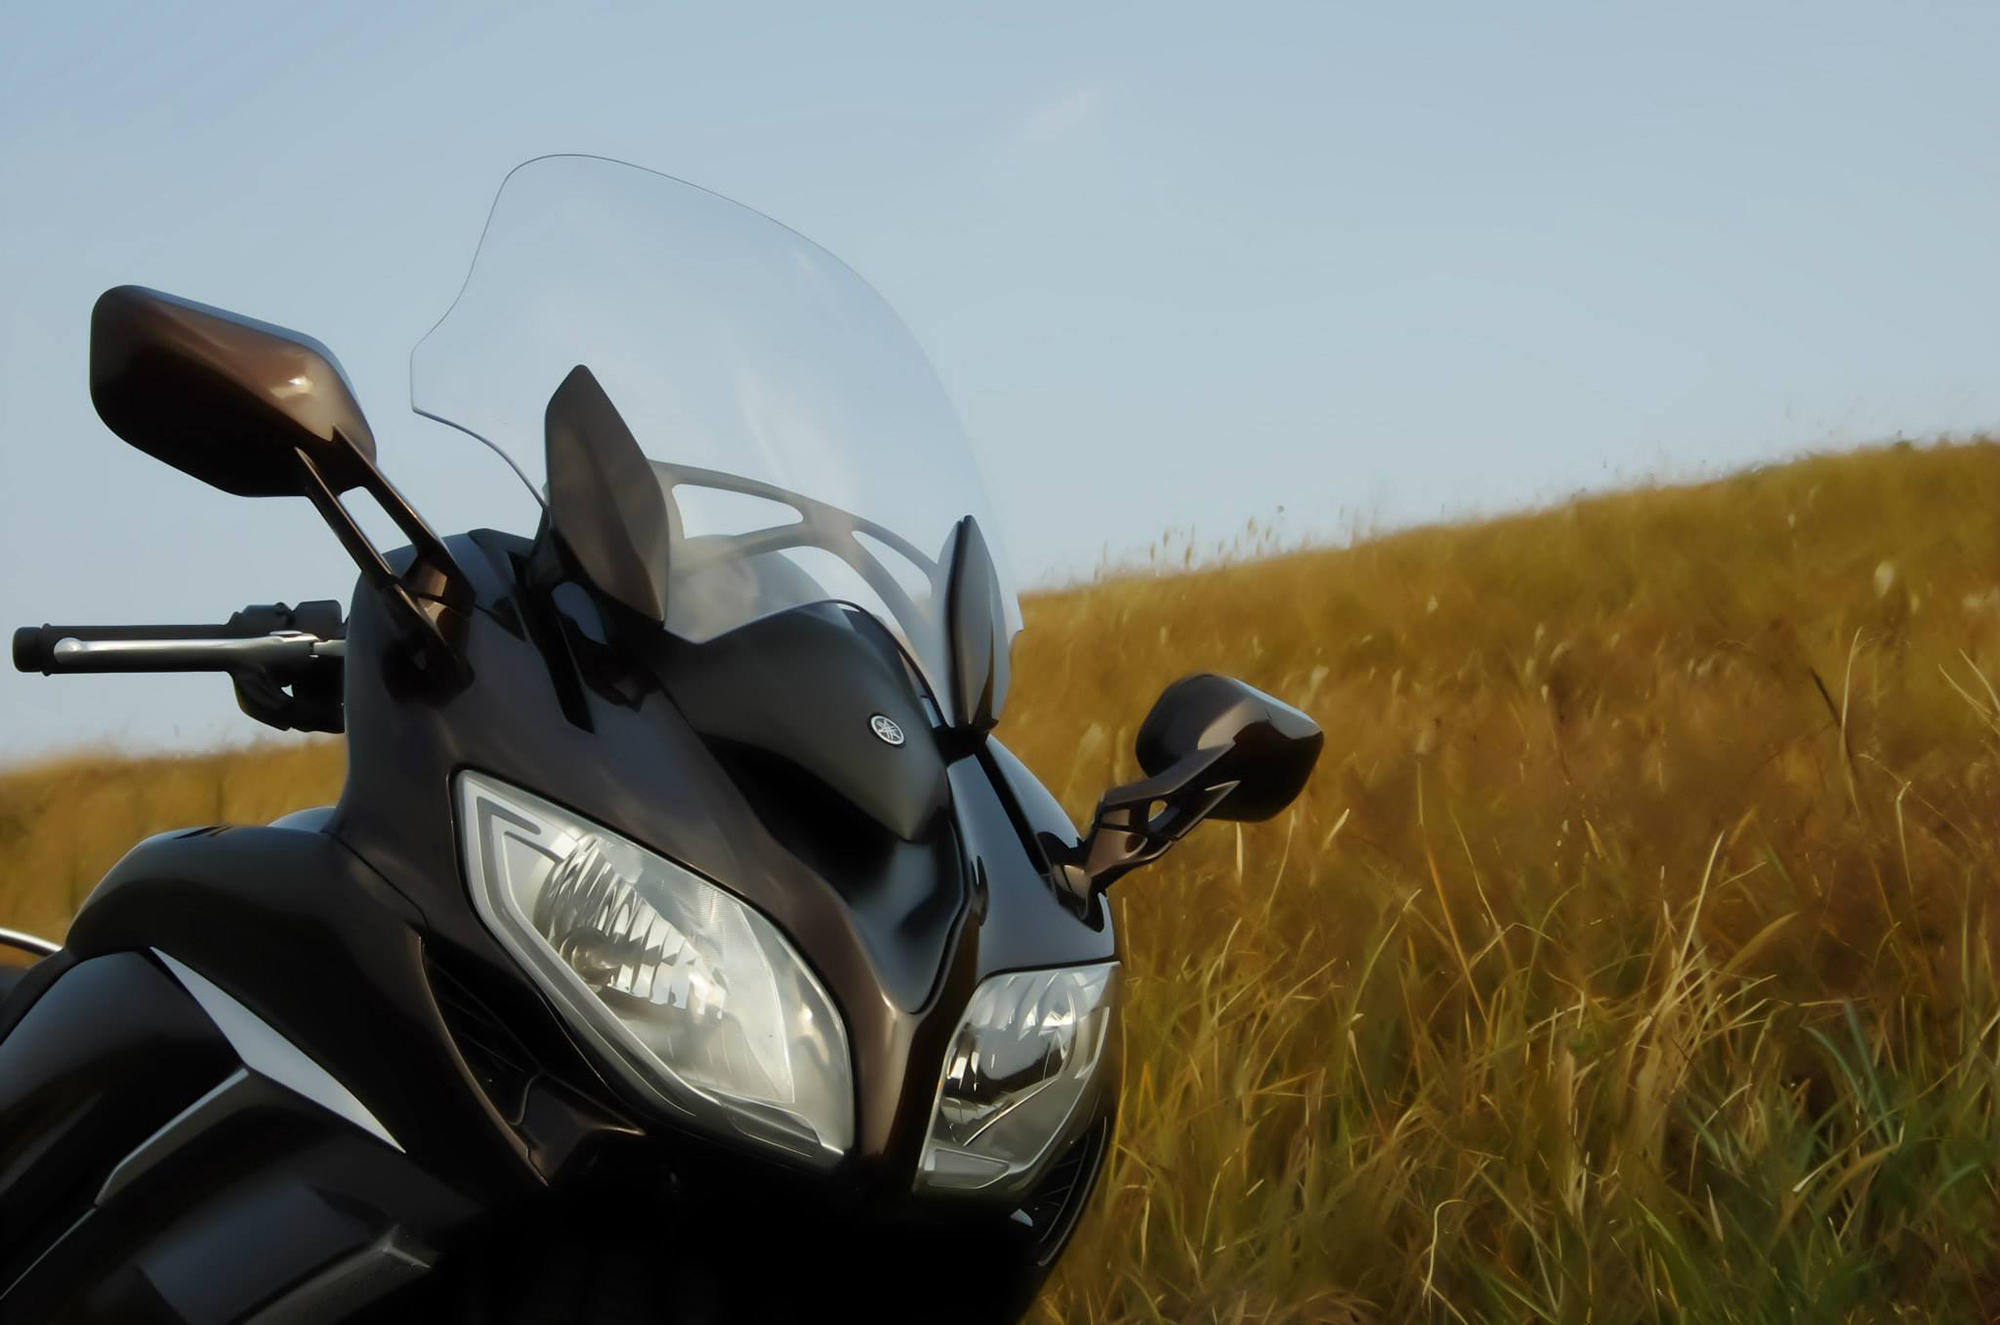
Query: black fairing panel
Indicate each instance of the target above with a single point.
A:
(802, 689)
(11, 976)
(214, 1219)
(297, 928)
(29, 985)
(111, 1051)
(1041, 813)
(248, 1221)
(1023, 923)
(220, 1255)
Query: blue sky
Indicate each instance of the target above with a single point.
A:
(1177, 266)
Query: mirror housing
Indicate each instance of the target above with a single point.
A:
(259, 411)
(1268, 747)
(227, 399)
(1212, 747)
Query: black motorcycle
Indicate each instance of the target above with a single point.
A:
(683, 946)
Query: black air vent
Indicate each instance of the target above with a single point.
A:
(503, 1066)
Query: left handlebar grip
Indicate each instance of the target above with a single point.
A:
(33, 648)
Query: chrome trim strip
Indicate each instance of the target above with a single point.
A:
(35, 943)
(233, 1092)
(171, 655)
(350, 1283)
(270, 1055)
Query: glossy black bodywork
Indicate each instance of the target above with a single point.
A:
(353, 938)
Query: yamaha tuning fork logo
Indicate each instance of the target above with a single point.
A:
(886, 730)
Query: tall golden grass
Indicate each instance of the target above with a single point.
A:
(1631, 956)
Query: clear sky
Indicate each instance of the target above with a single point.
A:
(1177, 266)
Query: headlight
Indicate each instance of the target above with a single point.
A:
(687, 992)
(1022, 1058)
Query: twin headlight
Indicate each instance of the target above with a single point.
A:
(699, 1001)
(694, 997)
(1024, 1055)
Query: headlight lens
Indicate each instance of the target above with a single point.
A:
(1022, 1058)
(686, 991)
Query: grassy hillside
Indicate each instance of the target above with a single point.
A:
(1631, 957)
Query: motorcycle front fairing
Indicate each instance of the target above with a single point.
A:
(746, 739)
(354, 941)
(807, 640)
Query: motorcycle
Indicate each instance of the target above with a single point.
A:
(683, 945)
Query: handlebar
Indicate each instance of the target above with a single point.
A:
(286, 663)
(273, 638)
(73, 653)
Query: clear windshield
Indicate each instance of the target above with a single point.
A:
(800, 433)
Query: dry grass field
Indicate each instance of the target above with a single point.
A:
(1632, 956)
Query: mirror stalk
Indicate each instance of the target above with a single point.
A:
(1127, 832)
(428, 600)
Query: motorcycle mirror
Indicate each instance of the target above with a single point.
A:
(1212, 747)
(259, 411)
(230, 400)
